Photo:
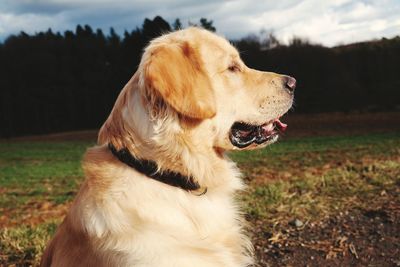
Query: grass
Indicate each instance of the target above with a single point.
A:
(313, 177)
(23, 245)
(311, 197)
(305, 178)
(31, 172)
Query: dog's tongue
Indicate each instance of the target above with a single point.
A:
(282, 126)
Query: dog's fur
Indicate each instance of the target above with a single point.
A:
(176, 110)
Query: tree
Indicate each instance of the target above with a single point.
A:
(113, 37)
(154, 28)
(177, 25)
(207, 24)
(70, 81)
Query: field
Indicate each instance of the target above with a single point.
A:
(320, 197)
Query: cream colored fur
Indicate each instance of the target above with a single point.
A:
(123, 218)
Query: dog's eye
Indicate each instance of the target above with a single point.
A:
(234, 68)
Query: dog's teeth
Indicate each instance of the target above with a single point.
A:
(268, 127)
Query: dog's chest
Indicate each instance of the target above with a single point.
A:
(205, 227)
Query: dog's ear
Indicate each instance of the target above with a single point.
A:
(176, 73)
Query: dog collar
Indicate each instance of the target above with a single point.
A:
(150, 169)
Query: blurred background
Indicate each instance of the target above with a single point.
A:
(64, 62)
(326, 194)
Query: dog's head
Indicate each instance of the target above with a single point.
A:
(192, 89)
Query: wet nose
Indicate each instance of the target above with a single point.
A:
(290, 83)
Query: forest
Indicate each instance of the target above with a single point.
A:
(54, 82)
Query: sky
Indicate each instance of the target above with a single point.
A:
(327, 22)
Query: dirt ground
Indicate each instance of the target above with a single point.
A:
(355, 237)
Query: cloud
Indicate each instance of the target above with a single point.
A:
(328, 22)
(14, 23)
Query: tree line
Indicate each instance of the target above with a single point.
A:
(52, 82)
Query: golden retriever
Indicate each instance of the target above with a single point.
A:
(159, 189)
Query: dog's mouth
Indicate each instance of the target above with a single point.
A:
(244, 134)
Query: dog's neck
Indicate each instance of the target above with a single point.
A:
(128, 128)
(151, 170)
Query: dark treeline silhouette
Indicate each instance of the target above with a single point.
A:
(52, 82)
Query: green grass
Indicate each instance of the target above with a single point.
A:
(39, 171)
(303, 178)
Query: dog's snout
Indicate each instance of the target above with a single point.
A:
(289, 83)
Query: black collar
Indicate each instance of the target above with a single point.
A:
(149, 168)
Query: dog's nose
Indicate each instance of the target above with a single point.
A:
(290, 83)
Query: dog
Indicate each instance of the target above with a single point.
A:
(160, 189)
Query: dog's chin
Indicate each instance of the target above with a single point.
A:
(248, 136)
